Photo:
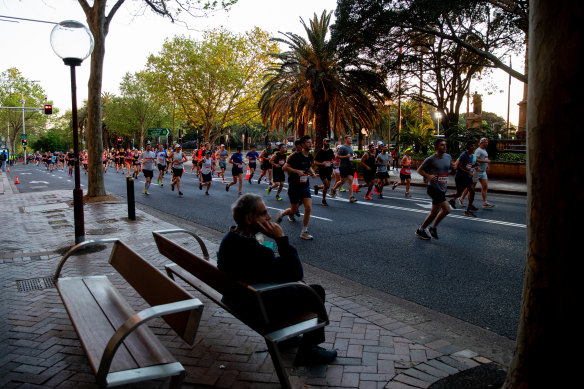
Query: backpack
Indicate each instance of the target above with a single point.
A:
(3, 156)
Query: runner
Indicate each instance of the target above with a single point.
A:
(161, 156)
(147, 159)
(85, 160)
(405, 174)
(252, 156)
(50, 158)
(178, 159)
(435, 170)
(104, 160)
(62, 160)
(128, 161)
(222, 155)
(346, 167)
(136, 163)
(299, 167)
(236, 160)
(483, 161)
(266, 165)
(278, 161)
(324, 162)
(463, 178)
(70, 161)
(207, 168)
(383, 162)
(368, 163)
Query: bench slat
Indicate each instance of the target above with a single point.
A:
(92, 326)
(142, 344)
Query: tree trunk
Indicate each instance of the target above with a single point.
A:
(547, 330)
(96, 22)
(321, 124)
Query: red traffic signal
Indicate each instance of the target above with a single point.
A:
(48, 109)
(24, 142)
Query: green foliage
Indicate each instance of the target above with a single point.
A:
(511, 157)
(214, 82)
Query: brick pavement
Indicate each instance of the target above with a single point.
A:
(41, 349)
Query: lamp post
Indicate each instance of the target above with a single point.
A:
(388, 103)
(73, 42)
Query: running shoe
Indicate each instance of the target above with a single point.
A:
(259, 180)
(180, 194)
(352, 199)
(298, 214)
(278, 198)
(200, 186)
(342, 189)
(393, 186)
(227, 188)
(368, 197)
(460, 202)
(324, 203)
(249, 180)
(380, 196)
(291, 218)
(279, 218)
(143, 191)
(305, 235)
(269, 190)
(239, 193)
(146, 193)
(207, 193)
(408, 194)
(333, 193)
(422, 234)
(452, 203)
(172, 186)
(473, 208)
(433, 232)
(469, 214)
(488, 205)
(316, 190)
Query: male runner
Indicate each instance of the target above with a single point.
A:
(383, 161)
(278, 161)
(324, 162)
(222, 155)
(369, 169)
(435, 170)
(299, 167)
(463, 178)
(252, 156)
(483, 161)
(177, 160)
(405, 174)
(266, 165)
(346, 168)
(147, 159)
(71, 161)
(161, 156)
(236, 161)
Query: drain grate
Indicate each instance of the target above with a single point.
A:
(35, 284)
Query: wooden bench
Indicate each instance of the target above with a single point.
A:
(119, 348)
(203, 276)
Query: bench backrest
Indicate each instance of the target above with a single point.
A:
(200, 268)
(156, 288)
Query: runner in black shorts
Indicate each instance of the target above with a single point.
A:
(324, 162)
(368, 166)
(265, 156)
(278, 161)
(346, 168)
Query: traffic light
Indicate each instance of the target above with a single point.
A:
(24, 142)
(119, 141)
(48, 109)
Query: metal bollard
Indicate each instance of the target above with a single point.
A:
(131, 200)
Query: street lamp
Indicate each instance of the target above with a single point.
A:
(388, 103)
(438, 117)
(73, 42)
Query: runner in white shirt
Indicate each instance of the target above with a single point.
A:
(207, 169)
(483, 162)
(161, 156)
(147, 158)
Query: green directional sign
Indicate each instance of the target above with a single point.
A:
(158, 132)
(23, 136)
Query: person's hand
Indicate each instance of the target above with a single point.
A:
(271, 229)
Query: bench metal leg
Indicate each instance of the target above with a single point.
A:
(278, 365)
(176, 381)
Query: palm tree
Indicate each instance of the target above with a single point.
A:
(310, 83)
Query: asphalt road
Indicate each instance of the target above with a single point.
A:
(474, 272)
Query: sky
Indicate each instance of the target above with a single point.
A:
(136, 33)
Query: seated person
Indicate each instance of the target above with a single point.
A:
(243, 258)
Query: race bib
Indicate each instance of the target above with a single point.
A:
(282, 162)
(327, 164)
(443, 178)
(239, 165)
(304, 178)
(407, 171)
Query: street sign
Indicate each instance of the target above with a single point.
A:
(158, 132)
(23, 136)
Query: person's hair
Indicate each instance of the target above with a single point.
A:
(468, 144)
(238, 148)
(437, 141)
(245, 205)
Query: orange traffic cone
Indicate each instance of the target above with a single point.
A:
(247, 174)
(16, 180)
(355, 183)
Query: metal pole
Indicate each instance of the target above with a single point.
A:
(77, 191)
(23, 125)
(130, 197)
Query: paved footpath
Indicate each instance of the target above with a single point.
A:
(378, 348)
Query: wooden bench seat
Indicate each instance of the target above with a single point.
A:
(119, 349)
(203, 275)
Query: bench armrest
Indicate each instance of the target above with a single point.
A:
(76, 248)
(134, 322)
(263, 289)
(176, 230)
